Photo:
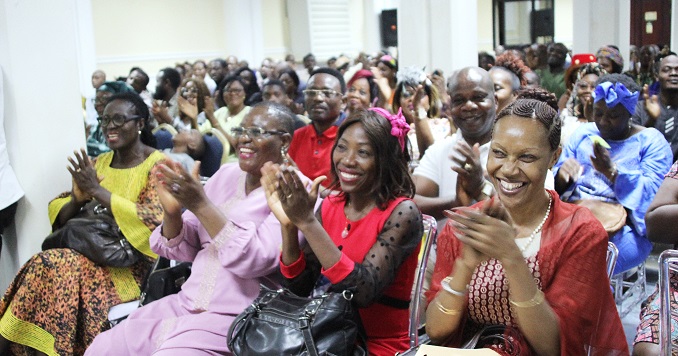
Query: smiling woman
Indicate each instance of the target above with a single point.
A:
(362, 239)
(513, 260)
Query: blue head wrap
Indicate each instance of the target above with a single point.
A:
(616, 94)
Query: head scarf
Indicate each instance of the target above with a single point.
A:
(116, 87)
(611, 54)
(363, 73)
(389, 61)
(615, 94)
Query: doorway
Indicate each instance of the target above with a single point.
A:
(650, 22)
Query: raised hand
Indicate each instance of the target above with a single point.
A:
(183, 187)
(85, 179)
(601, 160)
(296, 201)
(569, 172)
(186, 107)
(269, 182)
(466, 162)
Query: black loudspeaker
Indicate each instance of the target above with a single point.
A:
(389, 28)
(542, 23)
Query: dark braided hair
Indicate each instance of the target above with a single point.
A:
(540, 94)
(531, 105)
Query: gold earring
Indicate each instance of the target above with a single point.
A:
(283, 154)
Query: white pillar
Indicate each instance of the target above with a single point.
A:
(43, 119)
(371, 40)
(243, 34)
(87, 61)
(674, 25)
(438, 33)
(599, 23)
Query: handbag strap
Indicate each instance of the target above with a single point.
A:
(305, 327)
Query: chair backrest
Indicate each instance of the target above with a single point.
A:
(668, 265)
(163, 136)
(430, 234)
(612, 254)
(224, 143)
(211, 160)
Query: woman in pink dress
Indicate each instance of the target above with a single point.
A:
(363, 239)
(230, 235)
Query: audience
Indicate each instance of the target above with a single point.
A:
(59, 300)
(524, 259)
(624, 171)
(612, 157)
(98, 78)
(229, 233)
(365, 238)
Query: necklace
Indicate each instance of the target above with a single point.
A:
(538, 228)
(361, 214)
(344, 233)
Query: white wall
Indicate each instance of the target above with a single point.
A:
(43, 121)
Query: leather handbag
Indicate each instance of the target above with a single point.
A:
(279, 322)
(611, 215)
(95, 234)
(164, 280)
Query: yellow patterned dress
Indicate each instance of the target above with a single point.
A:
(59, 300)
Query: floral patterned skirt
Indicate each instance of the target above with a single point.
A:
(59, 301)
(648, 330)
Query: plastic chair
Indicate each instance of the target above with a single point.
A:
(668, 265)
(612, 254)
(163, 135)
(416, 326)
(224, 143)
(211, 160)
(630, 289)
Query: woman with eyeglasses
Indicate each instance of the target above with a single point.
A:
(229, 233)
(96, 142)
(232, 92)
(363, 239)
(59, 300)
(195, 106)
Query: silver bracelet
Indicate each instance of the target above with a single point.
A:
(445, 284)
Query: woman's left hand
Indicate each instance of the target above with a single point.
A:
(601, 160)
(84, 175)
(184, 187)
(296, 201)
(488, 231)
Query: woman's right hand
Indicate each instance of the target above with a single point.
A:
(296, 201)
(269, 181)
(178, 189)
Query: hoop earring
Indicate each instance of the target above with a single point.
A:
(283, 154)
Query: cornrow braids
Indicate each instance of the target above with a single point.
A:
(538, 110)
(540, 94)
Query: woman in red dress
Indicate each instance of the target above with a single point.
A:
(525, 260)
(363, 239)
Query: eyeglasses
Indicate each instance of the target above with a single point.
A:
(582, 85)
(254, 132)
(189, 91)
(328, 93)
(234, 91)
(117, 120)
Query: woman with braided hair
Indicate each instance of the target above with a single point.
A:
(579, 107)
(513, 261)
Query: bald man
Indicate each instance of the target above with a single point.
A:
(461, 157)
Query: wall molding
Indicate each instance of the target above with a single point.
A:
(159, 57)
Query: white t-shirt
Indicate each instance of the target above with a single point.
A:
(436, 164)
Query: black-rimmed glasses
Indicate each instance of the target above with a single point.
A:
(117, 120)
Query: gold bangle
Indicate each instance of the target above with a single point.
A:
(536, 300)
(447, 311)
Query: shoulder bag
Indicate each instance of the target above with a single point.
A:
(95, 234)
(280, 323)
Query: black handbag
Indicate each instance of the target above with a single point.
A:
(279, 322)
(164, 280)
(501, 338)
(95, 234)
